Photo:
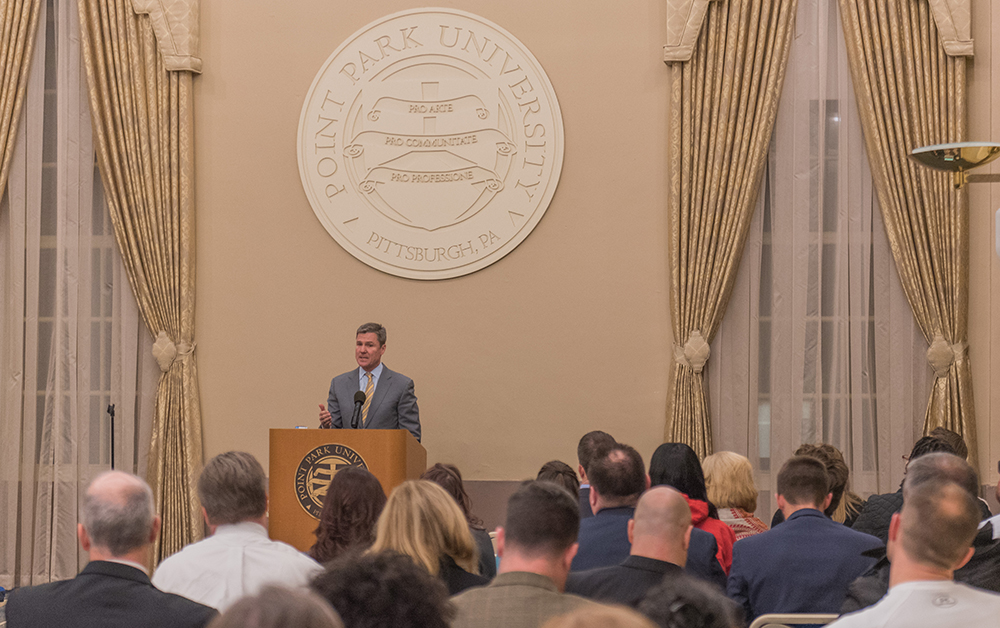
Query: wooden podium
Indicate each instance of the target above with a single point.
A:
(302, 463)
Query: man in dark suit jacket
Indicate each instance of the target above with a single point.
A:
(806, 564)
(114, 590)
(390, 402)
(659, 532)
(618, 477)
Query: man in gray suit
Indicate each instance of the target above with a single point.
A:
(536, 546)
(389, 404)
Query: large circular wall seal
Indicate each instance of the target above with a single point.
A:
(317, 468)
(430, 143)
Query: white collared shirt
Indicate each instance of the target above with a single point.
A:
(995, 520)
(238, 560)
(927, 604)
(363, 378)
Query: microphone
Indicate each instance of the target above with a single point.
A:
(359, 400)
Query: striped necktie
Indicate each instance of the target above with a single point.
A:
(369, 391)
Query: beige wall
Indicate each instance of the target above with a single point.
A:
(513, 363)
(984, 200)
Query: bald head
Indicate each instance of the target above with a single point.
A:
(118, 513)
(661, 525)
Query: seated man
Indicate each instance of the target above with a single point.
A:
(113, 590)
(806, 564)
(981, 571)
(618, 477)
(535, 545)
(238, 559)
(928, 541)
(659, 533)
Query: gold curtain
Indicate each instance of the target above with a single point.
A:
(911, 93)
(17, 38)
(143, 124)
(724, 102)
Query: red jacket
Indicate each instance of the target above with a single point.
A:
(724, 535)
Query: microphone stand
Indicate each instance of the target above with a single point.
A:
(111, 413)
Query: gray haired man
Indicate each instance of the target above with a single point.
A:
(113, 590)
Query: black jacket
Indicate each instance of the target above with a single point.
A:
(103, 595)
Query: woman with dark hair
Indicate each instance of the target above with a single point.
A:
(676, 465)
(448, 477)
(558, 472)
(354, 501)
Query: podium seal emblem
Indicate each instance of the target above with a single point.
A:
(317, 468)
(430, 143)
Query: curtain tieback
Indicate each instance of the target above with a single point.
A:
(695, 352)
(166, 352)
(942, 355)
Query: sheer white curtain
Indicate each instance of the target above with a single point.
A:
(818, 344)
(72, 340)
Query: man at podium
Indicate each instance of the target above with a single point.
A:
(371, 396)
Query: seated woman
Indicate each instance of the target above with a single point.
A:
(676, 465)
(730, 485)
(422, 521)
(558, 472)
(448, 477)
(353, 503)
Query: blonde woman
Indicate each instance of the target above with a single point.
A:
(422, 521)
(730, 485)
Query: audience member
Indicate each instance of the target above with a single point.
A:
(659, 533)
(619, 473)
(276, 607)
(354, 500)
(589, 446)
(730, 486)
(384, 590)
(536, 546)
(676, 465)
(982, 570)
(617, 479)
(689, 603)
(448, 477)
(806, 564)
(238, 559)
(845, 505)
(954, 439)
(422, 521)
(878, 510)
(558, 472)
(601, 617)
(928, 540)
(113, 590)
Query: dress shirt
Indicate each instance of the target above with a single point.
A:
(995, 520)
(130, 563)
(363, 378)
(927, 604)
(238, 560)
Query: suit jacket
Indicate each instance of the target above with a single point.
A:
(517, 599)
(104, 595)
(803, 565)
(585, 510)
(626, 583)
(393, 406)
(604, 542)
